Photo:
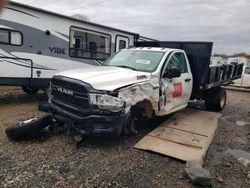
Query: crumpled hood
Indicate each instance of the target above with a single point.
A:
(106, 78)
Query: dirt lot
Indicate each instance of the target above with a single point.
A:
(53, 160)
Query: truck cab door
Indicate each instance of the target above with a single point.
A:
(175, 89)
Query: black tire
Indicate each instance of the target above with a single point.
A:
(28, 128)
(125, 127)
(30, 90)
(47, 92)
(215, 99)
(43, 106)
(129, 124)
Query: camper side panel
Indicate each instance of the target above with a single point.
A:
(41, 44)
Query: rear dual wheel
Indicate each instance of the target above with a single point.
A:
(215, 99)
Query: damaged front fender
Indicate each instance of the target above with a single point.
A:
(138, 93)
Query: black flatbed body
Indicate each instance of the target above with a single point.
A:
(205, 77)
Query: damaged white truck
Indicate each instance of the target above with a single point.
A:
(152, 79)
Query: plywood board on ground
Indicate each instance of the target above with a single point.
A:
(185, 136)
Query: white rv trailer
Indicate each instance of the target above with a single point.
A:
(244, 81)
(35, 44)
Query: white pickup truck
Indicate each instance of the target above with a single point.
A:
(138, 82)
(152, 79)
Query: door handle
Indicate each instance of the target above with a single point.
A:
(188, 80)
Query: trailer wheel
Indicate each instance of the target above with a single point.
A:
(215, 100)
(28, 128)
(47, 92)
(30, 90)
(43, 106)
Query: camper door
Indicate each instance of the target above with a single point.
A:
(121, 42)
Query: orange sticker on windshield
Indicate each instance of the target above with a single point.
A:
(177, 90)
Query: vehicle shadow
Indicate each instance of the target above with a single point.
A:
(143, 126)
(199, 105)
(19, 98)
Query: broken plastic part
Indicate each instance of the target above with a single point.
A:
(107, 102)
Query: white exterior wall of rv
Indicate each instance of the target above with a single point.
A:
(58, 27)
(245, 79)
(217, 60)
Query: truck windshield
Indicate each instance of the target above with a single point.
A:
(138, 60)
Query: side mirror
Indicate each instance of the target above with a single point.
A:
(172, 73)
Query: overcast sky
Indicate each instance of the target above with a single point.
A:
(225, 22)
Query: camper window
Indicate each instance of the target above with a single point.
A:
(10, 37)
(16, 38)
(89, 44)
(122, 44)
(4, 36)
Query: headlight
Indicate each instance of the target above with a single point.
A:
(107, 102)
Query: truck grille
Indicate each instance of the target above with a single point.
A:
(69, 93)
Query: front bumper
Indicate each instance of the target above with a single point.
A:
(89, 123)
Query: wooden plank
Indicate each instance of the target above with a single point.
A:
(175, 150)
(178, 136)
(196, 121)
(185, 136)
(174, 141)
(184, 130)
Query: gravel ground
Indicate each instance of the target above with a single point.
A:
(51, 159)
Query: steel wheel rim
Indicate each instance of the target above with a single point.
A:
(222, 101)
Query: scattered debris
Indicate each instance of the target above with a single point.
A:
(194, 164)
(243, 157)
(198, 176)
(241, 140)
(243, 161)
(242, 123)
(248, 176)
(220, 179)
(27, 128)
